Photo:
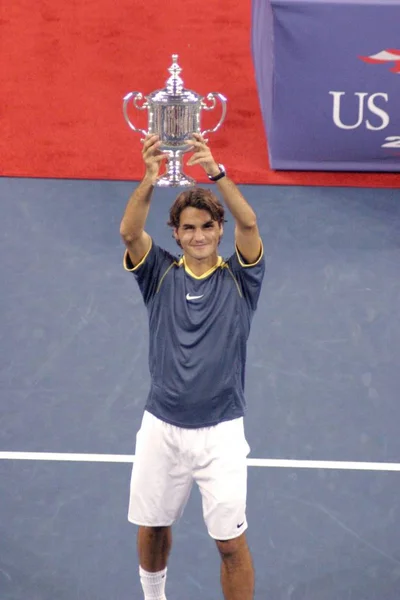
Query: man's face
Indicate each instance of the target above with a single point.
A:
(198, 234)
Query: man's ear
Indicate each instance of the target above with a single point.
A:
(175, 234)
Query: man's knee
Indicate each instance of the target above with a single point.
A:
(158, 538)
(231, 548)
(159, 530)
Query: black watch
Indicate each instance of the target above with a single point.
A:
(220, 175)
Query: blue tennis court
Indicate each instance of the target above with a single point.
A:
(323, 383)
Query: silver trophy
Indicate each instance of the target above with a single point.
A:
(174, 115)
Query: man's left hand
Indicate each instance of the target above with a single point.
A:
(202, 155)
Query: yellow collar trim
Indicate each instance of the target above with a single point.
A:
(182, 262)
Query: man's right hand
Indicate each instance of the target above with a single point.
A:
(152, 156)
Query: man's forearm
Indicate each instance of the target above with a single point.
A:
(137, 209)
(240, 209)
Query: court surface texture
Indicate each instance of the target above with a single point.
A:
(322, 386)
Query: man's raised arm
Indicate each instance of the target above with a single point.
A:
(247, 236)
(135, 238)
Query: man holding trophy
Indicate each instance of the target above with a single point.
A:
(200, 309)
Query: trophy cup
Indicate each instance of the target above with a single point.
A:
(174, 114)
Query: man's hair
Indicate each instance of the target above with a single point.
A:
(200, 198)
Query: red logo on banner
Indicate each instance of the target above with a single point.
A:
(385, 56)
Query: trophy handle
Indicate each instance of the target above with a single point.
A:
(134, 96)
(212, 98)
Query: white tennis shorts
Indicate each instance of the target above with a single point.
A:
(169, 459)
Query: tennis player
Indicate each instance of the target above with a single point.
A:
(200, 309)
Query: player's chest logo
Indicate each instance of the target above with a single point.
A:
(192, 297)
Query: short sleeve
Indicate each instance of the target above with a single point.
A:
(150, 270)
(249, 276)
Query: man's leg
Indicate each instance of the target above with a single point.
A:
(237, 573)
(154, 545)
(160, 486)
(222, 478)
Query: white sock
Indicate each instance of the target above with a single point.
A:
(153, 584)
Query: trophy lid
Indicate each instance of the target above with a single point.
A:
(174, 92)
(175, 83)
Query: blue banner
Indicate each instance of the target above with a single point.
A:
(328, 77)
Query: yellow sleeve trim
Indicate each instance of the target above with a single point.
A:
(126, 255)
(246, 265)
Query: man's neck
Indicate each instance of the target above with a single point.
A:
(199, 267)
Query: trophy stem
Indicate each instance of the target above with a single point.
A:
(174, 175)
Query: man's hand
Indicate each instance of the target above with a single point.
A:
(202, 155)
(152, 156)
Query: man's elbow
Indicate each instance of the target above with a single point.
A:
(128, 234)
(124, 231)
(249, 225)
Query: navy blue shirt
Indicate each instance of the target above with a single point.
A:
(198, 328)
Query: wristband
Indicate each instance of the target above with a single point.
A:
(220, 175)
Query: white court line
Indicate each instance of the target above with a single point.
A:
(252, 462)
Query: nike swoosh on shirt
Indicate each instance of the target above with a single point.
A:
(190, 297)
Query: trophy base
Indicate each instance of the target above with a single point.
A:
(174, 177)
(177, 181)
